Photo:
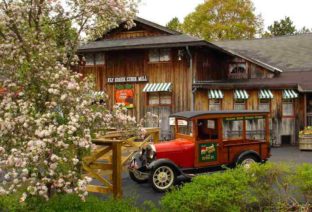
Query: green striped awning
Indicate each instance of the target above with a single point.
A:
(289, 94)
(241, 94)
(158, 87)
(265, 94)
(215, 94)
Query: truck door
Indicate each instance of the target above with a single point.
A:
(207, 142)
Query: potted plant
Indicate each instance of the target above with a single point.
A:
(305, 139)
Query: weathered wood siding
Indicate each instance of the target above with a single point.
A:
(136, 63)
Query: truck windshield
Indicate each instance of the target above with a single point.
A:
(185, 127)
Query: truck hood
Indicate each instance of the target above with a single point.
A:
(174, 145)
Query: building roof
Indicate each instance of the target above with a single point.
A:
(142, 42)
(193, 114)
(288, 53)
(157, 26)
(295, 80)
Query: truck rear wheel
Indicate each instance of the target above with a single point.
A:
(162, 178)
(247, 160)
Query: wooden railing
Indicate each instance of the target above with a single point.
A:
(107, 162)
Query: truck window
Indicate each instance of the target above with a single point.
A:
(207, 129)
(255, 129)
(185, 127)
(232, 128)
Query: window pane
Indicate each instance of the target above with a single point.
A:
(89, 59)
(185, 127)
(154, 55)
(164, 54)
(255, 129)
(153, 99)
(207, 129)
(214, 104)
(165, 99)
(264, 106)
(100, 59)
(288, 108)
(240, 105)
(233, 129)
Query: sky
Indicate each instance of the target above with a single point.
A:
(162, 11)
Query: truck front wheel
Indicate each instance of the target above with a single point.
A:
(162, 178)
(138, 176)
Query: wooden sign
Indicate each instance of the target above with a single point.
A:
(127, 79)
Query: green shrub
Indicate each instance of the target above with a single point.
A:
(303, 180)
(261, 187)
(226, 191)
(66, 203)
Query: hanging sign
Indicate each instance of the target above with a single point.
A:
(239, 118)
(125, 96)
(127, 79)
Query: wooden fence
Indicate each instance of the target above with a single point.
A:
(107, 162)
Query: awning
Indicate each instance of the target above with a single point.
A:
(158, 87)
(215, 94)
(265, 94)
(241, 94)
(289, 94)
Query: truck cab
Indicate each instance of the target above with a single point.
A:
(203, 140)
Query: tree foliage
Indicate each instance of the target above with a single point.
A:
(174, 24)
(282, 27)
(223, 19)
(47, 114)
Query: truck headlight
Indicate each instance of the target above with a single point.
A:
(150, 151)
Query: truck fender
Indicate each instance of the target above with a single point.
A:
(162, 161)
(248, 152)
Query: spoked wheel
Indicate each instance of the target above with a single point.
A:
(138, 177)
(162, 178)
(247, 161)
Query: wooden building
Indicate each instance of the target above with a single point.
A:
(153, 69)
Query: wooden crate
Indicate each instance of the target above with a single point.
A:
(305, 142)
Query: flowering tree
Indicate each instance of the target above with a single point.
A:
(47, 115)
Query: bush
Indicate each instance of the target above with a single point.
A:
(66, 203)
(261, 187)
(225, 191)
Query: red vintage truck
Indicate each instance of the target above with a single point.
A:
(203, 139)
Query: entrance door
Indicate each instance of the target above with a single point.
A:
(207, 142)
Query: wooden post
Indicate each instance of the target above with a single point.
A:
(117, 170)
(267, 129)
(156, 137)
(305, 110)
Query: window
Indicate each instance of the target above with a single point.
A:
(265, 104)
(255, 129)
(89, 58)
(159, 55)
(214, 104)
(185, 127)
(100, 59)
(288, 107)
(159, 98)
(232, 129)
(240, 104)
(207, 129)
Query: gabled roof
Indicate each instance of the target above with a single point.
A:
(288, 53)
(145, 42)
(157, 26)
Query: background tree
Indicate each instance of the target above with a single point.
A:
(283, 27)
(174, 24)
(304, 30)
(223, 19)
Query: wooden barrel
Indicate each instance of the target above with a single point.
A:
(305, 142)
